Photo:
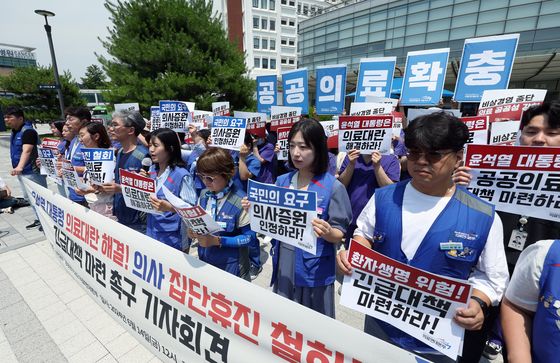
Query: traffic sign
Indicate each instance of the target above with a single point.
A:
(48, 86)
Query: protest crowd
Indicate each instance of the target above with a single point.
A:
(420, 196)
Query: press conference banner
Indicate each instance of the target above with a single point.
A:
(375, 78)
(330, 90)
(485, 65)
(295, 89)
(184, 310)
(424, 76)
(523, 179)
(267, 93)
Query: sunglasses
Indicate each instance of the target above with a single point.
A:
(431, 156)
(206, 178)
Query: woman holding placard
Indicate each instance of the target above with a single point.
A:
(227, 250)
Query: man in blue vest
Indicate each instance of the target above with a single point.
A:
(76, 117)
(418, 217)
(23, 151)
(125, 128)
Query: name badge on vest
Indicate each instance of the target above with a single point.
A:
(517, 240)
(448, 246)
(222, 224)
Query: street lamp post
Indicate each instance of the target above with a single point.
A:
(46, 14)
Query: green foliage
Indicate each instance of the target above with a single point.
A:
(94, 78)
(37, 103)
(173, 50)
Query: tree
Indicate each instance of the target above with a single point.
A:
(173, 50)
(39, 103)
(94, 78)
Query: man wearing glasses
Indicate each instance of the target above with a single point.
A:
(412, 222)
(76, 117)
(125, 128)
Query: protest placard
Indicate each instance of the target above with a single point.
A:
(185, 310)
(155, 119)
(392, 101)
(478, 129)
(283, 133)
(70, 177)
(134, 106)
(49, 143)
(281, 116)
(283, 214)
(295, 86)
(256, 122)
(375, 78)
(520, 179)
(100, 165)
(228, 132)
(195, 217)
(201, 119)
(418, 302)
(370, 109)
(397, 123)
(331, 131)
(48, 160)
(220, 108)
(175, 115)
(413, 113)
(424, 76)
(330, 89)
(365, 133)
(267, 93)
(504, 132)
(509, 104)
(137, 190)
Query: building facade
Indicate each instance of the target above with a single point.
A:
(12, 56)
(378, 28)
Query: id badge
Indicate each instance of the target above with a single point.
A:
(517, 240)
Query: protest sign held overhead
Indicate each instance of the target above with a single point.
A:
(424, 77)
(375, 78)
(228, 132)
(509, 104)
(282, 116)
(397, 123)
(485, 65)
(504, 133)
(419, 303)
(256, 122)
(49, 143)
(220, 108)
(137, 190)
(134, 106)
(267, 93)
(331, 131)
(155, 119)
(201, 119)
(283, 133)
(330, 89)
(478, 129)
(295, 88)
(100, 165)
(365, 133)
(524, 179)
(175, 115)
(49, 160)
(370, 109)
(283, 214)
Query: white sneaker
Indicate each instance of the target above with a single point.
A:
(8, 210)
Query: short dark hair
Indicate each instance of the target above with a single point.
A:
(80, 112)
(550, 111)
(98, 128)
(216, 161)
(314, 136)
(170, 141)
(436, 131)
(14, 111)
(59, 125)
(204, 134)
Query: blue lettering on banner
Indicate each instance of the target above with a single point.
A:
(148, 269)
(54, 212)
(267, 91)
(227, 121)
(294, 84)
(486, 65)
(273, 195)
(375, 78)
(173, 106)
(98, 154)
(424, 77)
(330, 90)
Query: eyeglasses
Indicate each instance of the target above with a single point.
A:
(431, 156)
(206, 178)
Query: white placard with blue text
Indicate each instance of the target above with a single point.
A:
(485, 65)
(294, 84)
(283, 214)
(100, 165)
(330, 89)
(174, 115)
(228, 132)
(267, 93)
(375, 78)
(155, 119)
(424, 77)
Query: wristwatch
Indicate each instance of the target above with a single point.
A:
(482, 304)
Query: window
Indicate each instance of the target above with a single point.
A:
(283, 2)
(283, 61)
(255, 3)
(292, 3)
(263, 4)
(291, 61)
(299, 8)
(265, 63)
(272, 4)
(255, 22)
(292, 23)
(305, 10)
(272, 24)
(256, 42)
(272, 63)
(264, 23)
(283, 22)
(291, 42)
(272, 44)
(257, 62)
(264, 43)
(283, 41)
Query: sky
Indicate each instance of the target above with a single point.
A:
(75, 31)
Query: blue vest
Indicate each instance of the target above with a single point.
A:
(166, 227)
(466, 219)
(545, 345)
(125, 215)
(226, 258)
(311, 270)
(16, 148)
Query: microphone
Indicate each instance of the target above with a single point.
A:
(146, 163)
